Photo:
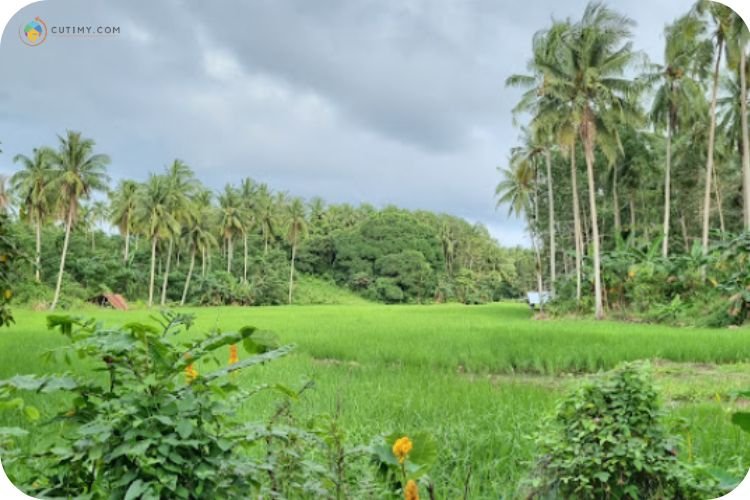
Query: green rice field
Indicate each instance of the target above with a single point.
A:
(481, 379)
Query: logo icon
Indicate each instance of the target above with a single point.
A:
(33, 33)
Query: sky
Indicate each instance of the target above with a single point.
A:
(380, 101)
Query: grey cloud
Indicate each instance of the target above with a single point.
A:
(381, 101)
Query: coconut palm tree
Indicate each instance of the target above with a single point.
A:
(98, 213)
(155, 218)
(587, 78)
(31, 184)
(182, 185)
(546, 46)
(517, 190)
(208, 220)
(296, 231)
(552, 123)
(679, 88)
(199, 237)
(732, 105)
(721, 15)
(77, 173)
(4, 195)
(247, 202)
(317, 209)
(266, 215)
(123, 202)
(231, 219)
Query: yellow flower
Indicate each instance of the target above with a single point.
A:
(3, 258)
(190, 372)
(8, 294)
(411, 492)
(233, 356)
(401, 448)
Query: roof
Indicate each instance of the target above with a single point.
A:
(114, 299)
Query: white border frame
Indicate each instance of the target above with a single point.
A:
(9, 8)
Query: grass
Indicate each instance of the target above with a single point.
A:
(311, 290)
(480, 378)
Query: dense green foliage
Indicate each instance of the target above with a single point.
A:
(608, 440)
(8, 263)
(631, 172)
(156, 428)
(497, 374)
(241, 246)
(145, 432)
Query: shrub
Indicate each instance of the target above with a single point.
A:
(607, 440)
(7, 256)
(388, 291)
(155, 428)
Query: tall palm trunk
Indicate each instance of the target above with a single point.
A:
(230, 252)
(153, 273)
(616, 203)
(631, 202)
(719, 204)
(589, 153)
(166, 273)
(189, 275)
(203, 262)
(745, 139)
(576, 220)
(68, 225)
(710, 160)
(537, 253)
(551, 203)
(38, 256)
(685, 238)
(291, 271)
(127, 245)
(244, 267)
(667, 192)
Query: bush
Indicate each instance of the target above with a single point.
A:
(607, 440)
(155, 428)
(388, 291)
(8, 254)
(147, 424)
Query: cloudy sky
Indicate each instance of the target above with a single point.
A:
(381, 101)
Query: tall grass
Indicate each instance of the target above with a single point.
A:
(480, 378)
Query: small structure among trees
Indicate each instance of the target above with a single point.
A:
(114, 300)
(537, 299)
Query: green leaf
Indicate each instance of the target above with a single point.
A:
(742, 419)
(139, 329)
(602, 476)
(136, 489)
(184, 428)
(31, 413)
(63, 322)
(260, 342)
(131, 449)
(255, 360)
(12, 432)
(422, 456)
(12, 404)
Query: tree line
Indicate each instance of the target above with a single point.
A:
(241, 245)
(662, 146)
